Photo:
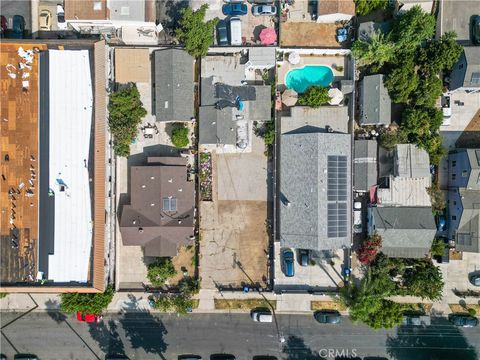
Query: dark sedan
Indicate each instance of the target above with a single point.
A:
(327, 316)
(18, 27)
(235, 9)
(463, 320)
(222, 33)
(476, 29)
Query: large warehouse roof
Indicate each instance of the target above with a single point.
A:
(70, 120)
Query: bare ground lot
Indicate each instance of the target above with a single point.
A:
(308, 34)
(233, 243)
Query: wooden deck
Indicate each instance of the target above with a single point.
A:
(19, 164)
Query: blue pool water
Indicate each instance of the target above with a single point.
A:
(301, 79)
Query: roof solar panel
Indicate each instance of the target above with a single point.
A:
(337, 196)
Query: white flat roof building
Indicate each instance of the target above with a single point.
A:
(70, 123)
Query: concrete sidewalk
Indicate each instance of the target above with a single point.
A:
(138, 301)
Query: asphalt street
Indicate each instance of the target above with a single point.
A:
(147, 336)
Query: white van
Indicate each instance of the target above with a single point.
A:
(235, 31)
(262, 316)
(357, 218)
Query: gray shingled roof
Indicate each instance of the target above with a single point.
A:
(375, 103)
(365, 164)
(405, 231)
(216, 126)
(174, 88)
(467, 234)
(304, 215)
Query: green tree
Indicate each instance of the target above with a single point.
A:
(365, 7)
(93, 303)
(439, 55)
(428, 91)
(438, 247)
(411, 28)
(125, 114)
(314, 96)
(3, 294)
(374, 52)
(402, 81)
(437, 198)
(180, 135)
(390, 138)
(159, 271)
(419, 124)
(196, 33)
(424, 279)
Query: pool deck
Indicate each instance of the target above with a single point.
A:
(330, 61)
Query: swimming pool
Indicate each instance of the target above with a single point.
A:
(301, 79)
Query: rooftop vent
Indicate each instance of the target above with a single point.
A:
(144, 186)
(140, 230)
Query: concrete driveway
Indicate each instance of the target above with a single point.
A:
(455, 15)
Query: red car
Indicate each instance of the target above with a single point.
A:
(89, 318)
(3, 25)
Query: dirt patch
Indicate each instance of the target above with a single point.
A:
(234, 244)
(457, 308)
(327, 305)
(308, 34)
(243, 304)
(184, 263)
(470, 138)
(456, 255)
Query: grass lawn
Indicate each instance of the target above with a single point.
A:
(327, 305)
(457, 308)
(246, 304)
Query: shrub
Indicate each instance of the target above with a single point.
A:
(438, 246)
(86, 303)
(314, 96)
(180, 135)
(369, 249)
(472, 312)
(160, 271)
(437, 198)
(388, 139)
(125, 114)
(180, 303)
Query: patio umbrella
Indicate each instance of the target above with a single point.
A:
(335, 95)
(289, 97)
(268, 36)
(294, 58)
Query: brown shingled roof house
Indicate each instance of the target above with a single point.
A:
(326, 7)
(161, 214)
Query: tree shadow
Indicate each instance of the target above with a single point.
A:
(295, 349)
(440, 341)
(53, 310)
(142, 329)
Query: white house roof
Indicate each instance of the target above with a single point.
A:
(70, 116)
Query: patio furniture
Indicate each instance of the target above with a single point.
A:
(294, 58)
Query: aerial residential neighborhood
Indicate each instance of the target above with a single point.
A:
(240, 179)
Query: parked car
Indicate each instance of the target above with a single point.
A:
(261, 316)
(89, 318)
(441, 223)
(475, 29)
(45, 20)
(25, 357)
(416, 320)
(18, 27)
(357, 217)
(222, 357)
(235, 31)
(189, 357)
(235, 9)
(222, 33)
(4, 25)
(61, 23)
(475, 279)
(446, 109)
(463, 320)
(327, 316)
(288, 263)
(264, 357)
(258, 10)
(303, 257)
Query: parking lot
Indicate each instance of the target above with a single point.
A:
(323, 272)
(251, 25)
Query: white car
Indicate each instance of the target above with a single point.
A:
(258, 10)
(446, 109)
(261, 316)
(61, 23)
(45, 20)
